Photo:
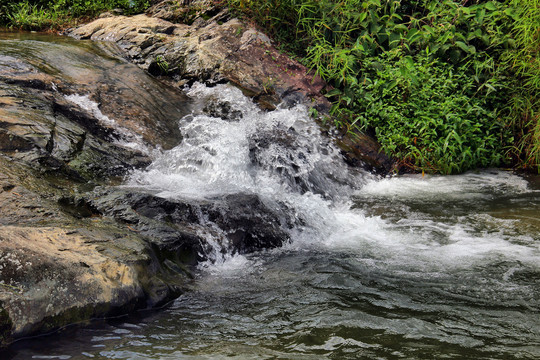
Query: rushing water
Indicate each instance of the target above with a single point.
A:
(409, 267)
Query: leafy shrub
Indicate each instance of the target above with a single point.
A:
(427, 113)
(428, 77)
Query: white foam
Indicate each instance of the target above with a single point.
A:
(471, 185)
(92, 107)
(128, 138)
(214, 160)
(229, 265)
(425, 244)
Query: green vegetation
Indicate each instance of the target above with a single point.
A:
(41, 14)
(445, 86)
(162, 64)
(524, 60)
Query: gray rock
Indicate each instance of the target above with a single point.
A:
(209, 51)
(61, 260)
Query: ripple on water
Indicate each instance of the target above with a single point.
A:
(412, 267)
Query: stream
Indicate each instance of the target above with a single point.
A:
(402, 267)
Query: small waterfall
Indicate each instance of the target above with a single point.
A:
(231, 146)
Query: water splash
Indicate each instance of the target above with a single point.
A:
(413, 222)
(234, 146)
(126, 137)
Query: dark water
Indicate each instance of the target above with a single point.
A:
(441, 276)
(399, 268)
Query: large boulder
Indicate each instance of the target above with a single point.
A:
(61, 261)
(199, 41)
(63, 264)
(211, 51)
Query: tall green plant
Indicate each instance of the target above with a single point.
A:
(524, 60)
(381, 57)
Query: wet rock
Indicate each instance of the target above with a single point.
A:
(123, 96)
(295, 156)
(51, 277)
(171, 228)
(50, 134)
(61, 260)
(57, 270)
(176, 227)
(222, 109)
(291, 159)
(248, 223)
(362, 151)
(209, 51)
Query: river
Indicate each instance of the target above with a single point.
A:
(402, 267)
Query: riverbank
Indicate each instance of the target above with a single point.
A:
(440, 86)
(77, 117)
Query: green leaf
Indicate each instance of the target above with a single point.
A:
(409, 61)
(463, 46)
(333, 92)
(391, 85)
(394, 40)
(490, 6)
(480, 16)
